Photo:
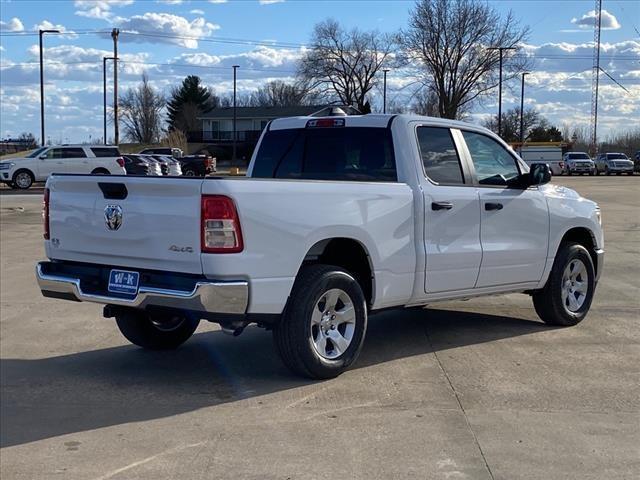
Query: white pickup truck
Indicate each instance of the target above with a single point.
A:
(338, 217)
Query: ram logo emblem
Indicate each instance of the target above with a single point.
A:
(113, 216)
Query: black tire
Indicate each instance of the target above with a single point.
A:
(155, 332)
(591, 173)
(101, 171)
(629, 173)
(23, 179)
(190, 172)
(293, 335)
(548, 302)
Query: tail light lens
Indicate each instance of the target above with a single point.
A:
(120, 161)
(220, 225)
(45, 213)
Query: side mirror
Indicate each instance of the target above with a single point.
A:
(42, 157)
(539, 174)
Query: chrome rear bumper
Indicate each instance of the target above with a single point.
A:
(210, 297)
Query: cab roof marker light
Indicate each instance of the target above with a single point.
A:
(326, 123)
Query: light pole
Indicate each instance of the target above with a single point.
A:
(500, 49)
(42, 32)
(116, 127)
(522, 110)
(384, 91)
(104, 95)
(233, 158)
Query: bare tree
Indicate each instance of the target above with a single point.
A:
(425, 102)
(511, 123)
(278, 94)
(344, 64)
(450, 41)
(141, 112)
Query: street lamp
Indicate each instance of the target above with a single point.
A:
(384, 91)
(235, 67)
(522, 111)
(42, 32)
(500, 50)
(104, 95)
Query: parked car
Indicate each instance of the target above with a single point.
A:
(137, 165)
(172, 152)
(198, 165)
(21, 173)
(617, 163)
(175, 168)
(339, 217)
(578, 162)
(160, 160)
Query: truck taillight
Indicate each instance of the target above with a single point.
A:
(220, 225)
(120, 161)
(45, 213)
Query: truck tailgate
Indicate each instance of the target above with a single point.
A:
(159, 224)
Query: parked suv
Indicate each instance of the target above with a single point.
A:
(617, 163)
(198, 165)
(578, 162)
(36, 167)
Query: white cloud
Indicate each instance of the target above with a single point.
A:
(166, 28)
(218, 1)
(47, 25)
(196, 11)
(171, 2)
(589, 19)
(100, 9)
(270, 2)
(13, 25)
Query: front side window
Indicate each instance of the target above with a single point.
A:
(439, 156)
(494, 165)
(341, 153)
(37, 153)
(54, 153)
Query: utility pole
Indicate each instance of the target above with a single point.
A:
(501, 50)
(104, 96)
(384, 92)
(116, 131)
(42, 32)
(235, 136)
(522, 110)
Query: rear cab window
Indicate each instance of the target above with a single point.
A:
(439, 156)
(332, 153)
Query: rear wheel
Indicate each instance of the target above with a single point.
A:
(322, 329)
(189, 172)
(23, 179)
(566, 298)
(155, 332)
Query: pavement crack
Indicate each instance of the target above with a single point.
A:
(457, 397)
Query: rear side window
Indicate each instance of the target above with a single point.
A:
(71, 153)
(342, 153)
(439, 156)
(105, 152)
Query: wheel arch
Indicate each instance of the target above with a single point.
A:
(585, 237)
(24, 169)
(348, 253)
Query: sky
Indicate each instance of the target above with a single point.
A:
(176, 38)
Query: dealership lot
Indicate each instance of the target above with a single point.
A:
(476, 389)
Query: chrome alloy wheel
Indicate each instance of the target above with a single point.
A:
(575, 285)
(23, 180)
(333, 323)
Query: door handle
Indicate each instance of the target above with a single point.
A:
(441, 205)
(492, 206)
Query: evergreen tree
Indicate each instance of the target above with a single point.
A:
(187, 102)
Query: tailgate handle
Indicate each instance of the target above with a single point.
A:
(113, 191)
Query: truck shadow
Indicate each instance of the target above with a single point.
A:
(83, 391)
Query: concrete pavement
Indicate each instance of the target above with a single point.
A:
(478, 389)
